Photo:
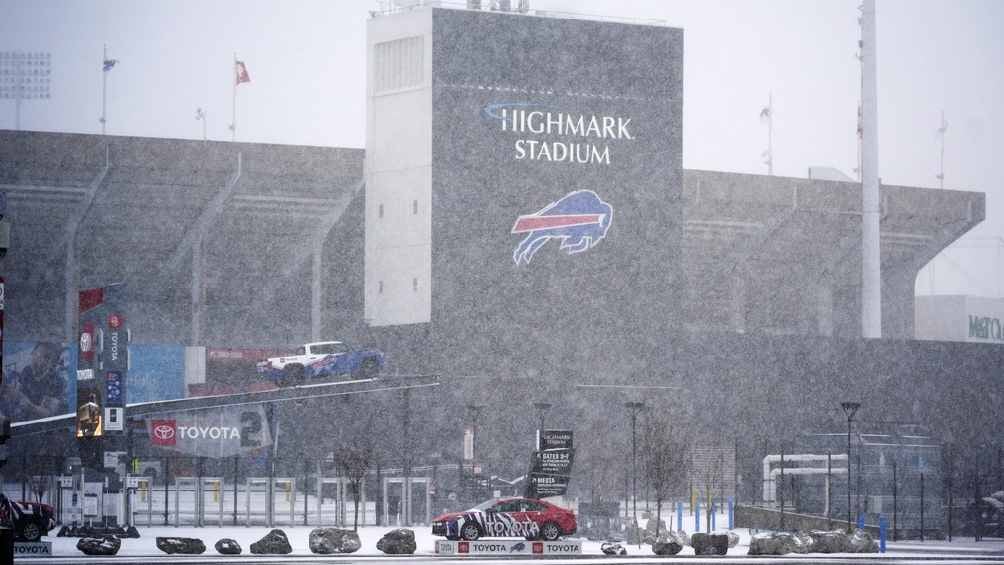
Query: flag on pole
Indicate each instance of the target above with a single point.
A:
(109, 63)
(241, 73)
(765, 113)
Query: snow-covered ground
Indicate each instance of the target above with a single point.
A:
(369, 535)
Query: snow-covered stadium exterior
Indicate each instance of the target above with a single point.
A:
(735, 296)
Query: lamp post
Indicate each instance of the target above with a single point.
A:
(850, 408)
(633, 407)
(541, 407)
(475, 410)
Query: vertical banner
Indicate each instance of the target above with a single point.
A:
(2, 296)
(102, 362)
(551, 464)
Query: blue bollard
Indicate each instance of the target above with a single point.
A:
(679, 516)
(882, 527)
(861, 521)
(714, 512)
(697, 516)
(732, 514)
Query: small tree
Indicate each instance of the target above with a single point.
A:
(666, 463)
(354, 458)
(712, 478)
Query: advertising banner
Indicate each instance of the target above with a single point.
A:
(156, 372)
(37, 380)
(508, 547)
(220, 432)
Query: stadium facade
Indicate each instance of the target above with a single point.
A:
(520, 224)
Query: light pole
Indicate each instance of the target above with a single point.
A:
(475, 410)
(634, 407)
(850, 408)
(200, 114)
(541, 407)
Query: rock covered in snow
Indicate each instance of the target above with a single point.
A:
(611, 548)
(334, 540)
(107, 545)
(710, 544)
(274, 543)
(397, 542)
(227, 546)
(184, 546)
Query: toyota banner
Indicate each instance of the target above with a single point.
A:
(216, 433)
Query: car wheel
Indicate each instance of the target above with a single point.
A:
(550, 531)
(31, 532)
(369, 368)
(470, 531)
(291, 375)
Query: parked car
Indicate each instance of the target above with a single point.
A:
(30, 520)
(508, 517)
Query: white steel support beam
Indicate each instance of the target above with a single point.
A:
(198, 292)
(68, 243)
(205, 221)
(871, 256)
(303, 253)
(316, 290)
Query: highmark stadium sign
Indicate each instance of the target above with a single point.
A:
(581, 138)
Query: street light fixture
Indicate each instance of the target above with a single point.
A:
(634, 407)
(850, 409)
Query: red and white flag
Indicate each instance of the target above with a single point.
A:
(241, 72)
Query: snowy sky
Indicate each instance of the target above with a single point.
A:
(307, 65)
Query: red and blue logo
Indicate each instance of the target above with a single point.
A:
(578, 220)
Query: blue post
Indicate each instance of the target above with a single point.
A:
(679, 516)
(861, 521)
(882, 527)
(714, 512)
(697, 516)
(732, 514)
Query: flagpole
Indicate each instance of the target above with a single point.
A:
(104, 87)
(233, 81)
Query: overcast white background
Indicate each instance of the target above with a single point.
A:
(307, 65)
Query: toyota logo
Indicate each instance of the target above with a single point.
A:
(86, 342)
(163, 431)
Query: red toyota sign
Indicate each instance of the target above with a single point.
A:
(163, 432)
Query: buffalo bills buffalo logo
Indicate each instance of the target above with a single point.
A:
(579, 220)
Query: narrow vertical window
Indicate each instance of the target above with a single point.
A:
(414, 284)
(380, 211)
(380, 287)
(414, 207)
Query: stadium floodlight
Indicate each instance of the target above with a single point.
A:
(24, 76)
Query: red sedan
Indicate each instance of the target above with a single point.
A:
(507, 517)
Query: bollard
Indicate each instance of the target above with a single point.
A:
(679, 516)
(861, 520)
(697, 516)
(731, 513)
(882, 527)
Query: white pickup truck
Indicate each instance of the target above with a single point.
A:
(319, 360)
